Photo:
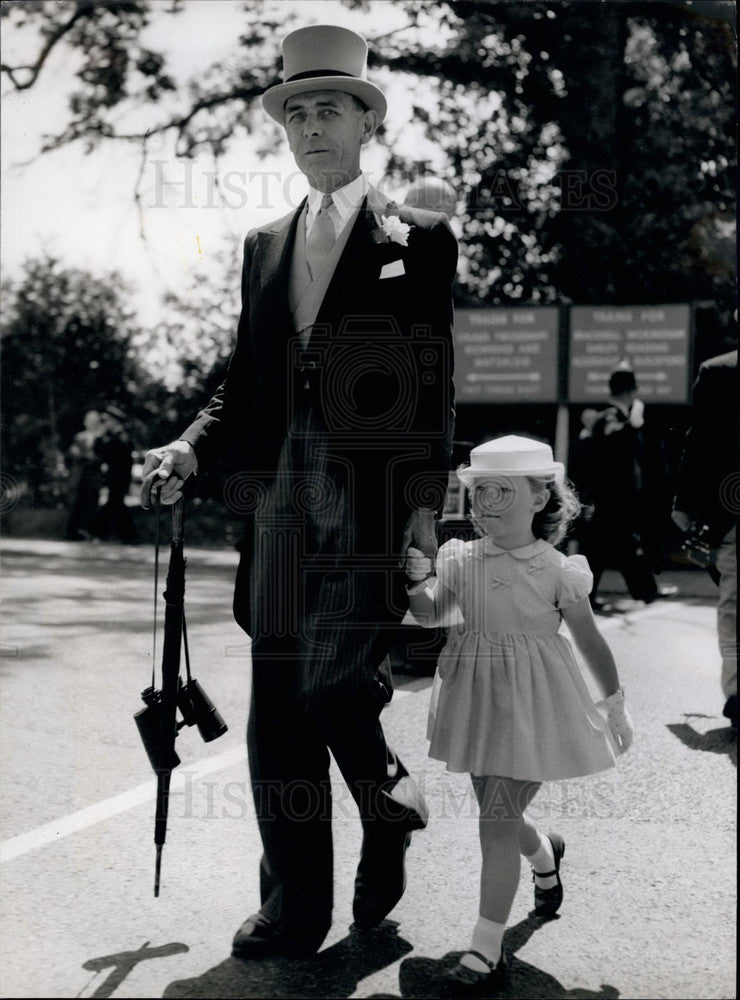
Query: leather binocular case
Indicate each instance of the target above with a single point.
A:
(149, 723)
(196, 709)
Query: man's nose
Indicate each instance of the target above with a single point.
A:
(311, 126)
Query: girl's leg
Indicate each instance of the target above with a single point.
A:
(503, 829)
(502, 802)
(543, 853)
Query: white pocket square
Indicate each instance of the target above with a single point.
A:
(392, 270)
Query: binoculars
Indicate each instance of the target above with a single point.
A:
(196, 709)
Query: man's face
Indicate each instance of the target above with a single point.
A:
(326, 130)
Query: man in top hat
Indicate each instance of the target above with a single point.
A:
(337, 411)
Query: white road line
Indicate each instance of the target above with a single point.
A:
(51, 832)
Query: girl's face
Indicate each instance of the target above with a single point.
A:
(504, 507)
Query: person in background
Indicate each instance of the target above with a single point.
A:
(705, 504)
(579, 452)
(113, 447)
(614, 486)
(509, 704)
(85, 479)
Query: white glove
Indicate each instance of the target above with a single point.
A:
(619, 721)
(637, 413)
(417, 566)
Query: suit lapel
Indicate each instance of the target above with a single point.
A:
(360, 263)
(275, 250)
(355, 273)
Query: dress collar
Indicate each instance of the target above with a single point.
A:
(534, 548)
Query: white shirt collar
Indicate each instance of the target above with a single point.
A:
(346, 200)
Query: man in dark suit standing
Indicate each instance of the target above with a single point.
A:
(338, 411)
(612, 471)
(706, 497)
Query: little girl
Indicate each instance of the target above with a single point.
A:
(509, 704)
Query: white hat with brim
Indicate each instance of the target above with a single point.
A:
(324, 57)
(512, 455)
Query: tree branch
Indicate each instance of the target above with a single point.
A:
(84, 9)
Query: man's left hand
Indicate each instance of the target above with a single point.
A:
(420, 532)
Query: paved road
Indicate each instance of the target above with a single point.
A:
(649, 873)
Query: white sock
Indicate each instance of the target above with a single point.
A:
(488, 938)
(543, 860)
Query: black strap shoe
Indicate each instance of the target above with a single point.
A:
(461, 981)
(547, 902)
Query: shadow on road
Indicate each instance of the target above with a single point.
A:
(123, 962)
(720, 740)
(334, 972)
(337, 971)
(422, 977)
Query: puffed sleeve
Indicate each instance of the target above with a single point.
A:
(448, 558)
(576, 581)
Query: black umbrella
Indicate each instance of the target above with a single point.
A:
(157, 722)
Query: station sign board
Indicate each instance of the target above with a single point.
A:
(655, 342)
(507, 355)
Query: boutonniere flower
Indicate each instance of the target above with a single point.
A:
(390, 229)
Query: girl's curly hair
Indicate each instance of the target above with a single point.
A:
(561, 510)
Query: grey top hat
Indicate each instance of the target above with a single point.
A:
(323, 57)
(512, 455)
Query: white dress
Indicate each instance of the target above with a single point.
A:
(508, 696)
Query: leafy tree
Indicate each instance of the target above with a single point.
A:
(66, 349)
(189, 348)
(593, 145)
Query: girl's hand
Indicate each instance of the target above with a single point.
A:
(619, 720)
(417, 566)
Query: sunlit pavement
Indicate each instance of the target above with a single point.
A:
(649, 871)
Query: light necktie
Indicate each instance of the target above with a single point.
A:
(320, 237)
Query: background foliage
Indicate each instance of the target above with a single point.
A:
(592, 147)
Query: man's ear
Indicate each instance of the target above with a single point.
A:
(369, 125)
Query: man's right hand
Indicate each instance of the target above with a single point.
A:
(165, 469)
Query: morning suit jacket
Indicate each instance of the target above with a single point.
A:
(379, 361)
(711, 455)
